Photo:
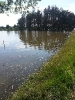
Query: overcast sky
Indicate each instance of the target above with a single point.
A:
(12, 18)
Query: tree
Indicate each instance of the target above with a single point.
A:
(22, 23)
(8, 28)
(39, 19)
(17, 5)
(15, 27)
(29, 21)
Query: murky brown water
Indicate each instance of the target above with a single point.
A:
(22, 53)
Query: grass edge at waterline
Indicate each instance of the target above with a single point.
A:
(56, 79)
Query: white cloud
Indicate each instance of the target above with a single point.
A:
(9, 19)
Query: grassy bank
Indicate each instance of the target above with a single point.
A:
(56, 79)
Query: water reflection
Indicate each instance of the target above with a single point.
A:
(43, 40)
(22, 53)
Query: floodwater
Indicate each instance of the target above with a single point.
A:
(23, 53)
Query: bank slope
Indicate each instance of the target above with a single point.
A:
(56, 79)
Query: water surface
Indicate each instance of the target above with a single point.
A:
(22, 53)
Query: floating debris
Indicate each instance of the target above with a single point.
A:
(12, 87)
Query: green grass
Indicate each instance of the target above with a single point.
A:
(55, 80)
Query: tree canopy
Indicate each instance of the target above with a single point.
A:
(52, 19)
(17, 5)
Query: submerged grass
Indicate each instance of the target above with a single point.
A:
(56, 79)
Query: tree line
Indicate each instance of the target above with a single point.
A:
(51, 19)
(9, 28)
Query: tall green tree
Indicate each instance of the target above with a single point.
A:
(29, 21)
(22, 23)
(39, 20)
